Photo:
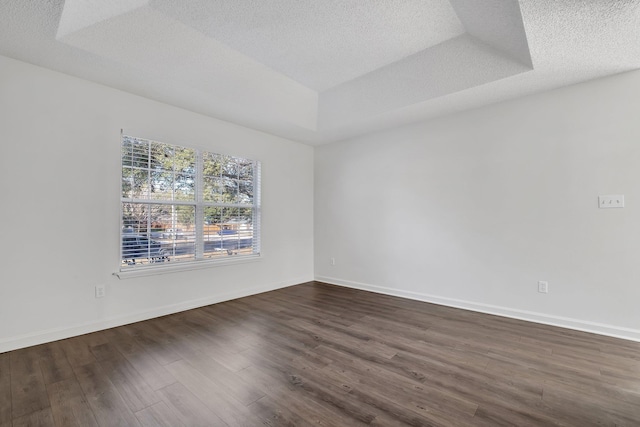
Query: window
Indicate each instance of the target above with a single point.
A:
(182, 205)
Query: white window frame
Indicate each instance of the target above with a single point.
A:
(199, 204)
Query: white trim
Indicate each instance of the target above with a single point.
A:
(50, 335)
(167, 267)
(546, 319)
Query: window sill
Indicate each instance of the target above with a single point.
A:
(153, 270)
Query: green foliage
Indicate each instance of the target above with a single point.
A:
(227, 179)
(156, 171)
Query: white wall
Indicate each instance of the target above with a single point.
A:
(59, 186)
(472, 210)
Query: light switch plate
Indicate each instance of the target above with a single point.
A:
(101, 291)
(543, 287)
(611, 201)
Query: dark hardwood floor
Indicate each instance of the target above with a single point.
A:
(317, 354)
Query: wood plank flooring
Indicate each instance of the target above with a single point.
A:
(316, 354)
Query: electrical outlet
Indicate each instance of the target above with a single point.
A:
(332, 261)
(543, 287)
(101, 291)
(611, 201)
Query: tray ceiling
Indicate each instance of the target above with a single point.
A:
(318, 72)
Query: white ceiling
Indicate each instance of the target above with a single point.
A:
(322, 71)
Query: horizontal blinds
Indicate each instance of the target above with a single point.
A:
(185, 205)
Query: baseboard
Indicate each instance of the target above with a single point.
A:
(50, 335)
(563, 322)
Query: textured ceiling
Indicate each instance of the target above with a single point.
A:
(321, 43)
(323, 71)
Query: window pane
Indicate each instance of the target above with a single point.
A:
(135, 152)
(134, 218)
(229, 167)
(228, 231)
(245, 169)
(127, 182)
(161, 185)
(126, 148)
(179, 233)
(230, 190)
(161, 156)
(137, 249)
(185, 187)
(212, 165)
(157, 233)
(135, 171)
(213, 189)
(245, 192)
(184, 160)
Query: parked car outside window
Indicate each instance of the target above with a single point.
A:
(137, 248)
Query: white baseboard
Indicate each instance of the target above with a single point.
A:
(50, 335)
(546, 319)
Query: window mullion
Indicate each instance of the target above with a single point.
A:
(199, 234)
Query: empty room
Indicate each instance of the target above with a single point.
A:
(334, 213)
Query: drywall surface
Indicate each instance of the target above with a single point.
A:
(474, 209)
(60, 186)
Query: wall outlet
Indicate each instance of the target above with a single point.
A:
(543, 287)
(611, 201)
(332, 261)
(101, 291)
